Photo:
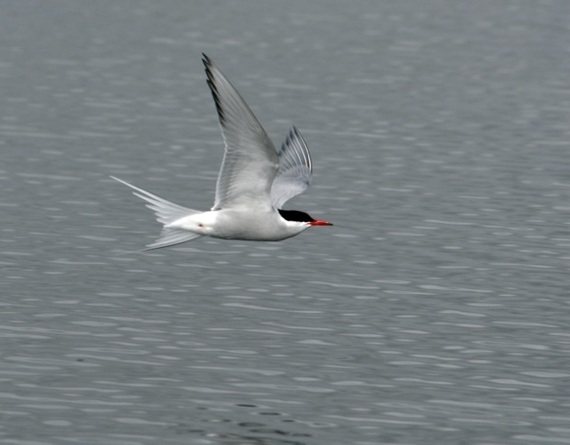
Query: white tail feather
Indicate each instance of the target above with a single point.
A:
(166, 213)
(171, 237)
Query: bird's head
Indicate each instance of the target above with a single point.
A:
(302, 219)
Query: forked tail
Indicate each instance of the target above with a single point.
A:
(166, 213)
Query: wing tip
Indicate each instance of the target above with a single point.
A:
(212, 84)
(301, 152)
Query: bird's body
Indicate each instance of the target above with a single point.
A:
(253, 184)
(239, 224)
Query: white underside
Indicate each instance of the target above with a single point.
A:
(242, 225)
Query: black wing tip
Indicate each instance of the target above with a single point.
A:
(208, 64)
(206, 60)
(217, 100)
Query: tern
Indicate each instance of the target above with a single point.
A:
(253, 183)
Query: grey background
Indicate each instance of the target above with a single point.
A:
(435, 311)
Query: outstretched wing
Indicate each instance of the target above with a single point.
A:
(295, 169)
(250, 161)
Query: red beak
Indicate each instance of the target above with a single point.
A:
(320, 222)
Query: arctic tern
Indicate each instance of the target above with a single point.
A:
(253, 183)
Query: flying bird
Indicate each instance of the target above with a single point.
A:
(253, 183)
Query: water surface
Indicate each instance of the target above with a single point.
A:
(435, 311)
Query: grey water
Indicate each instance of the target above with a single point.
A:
(435, 311)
